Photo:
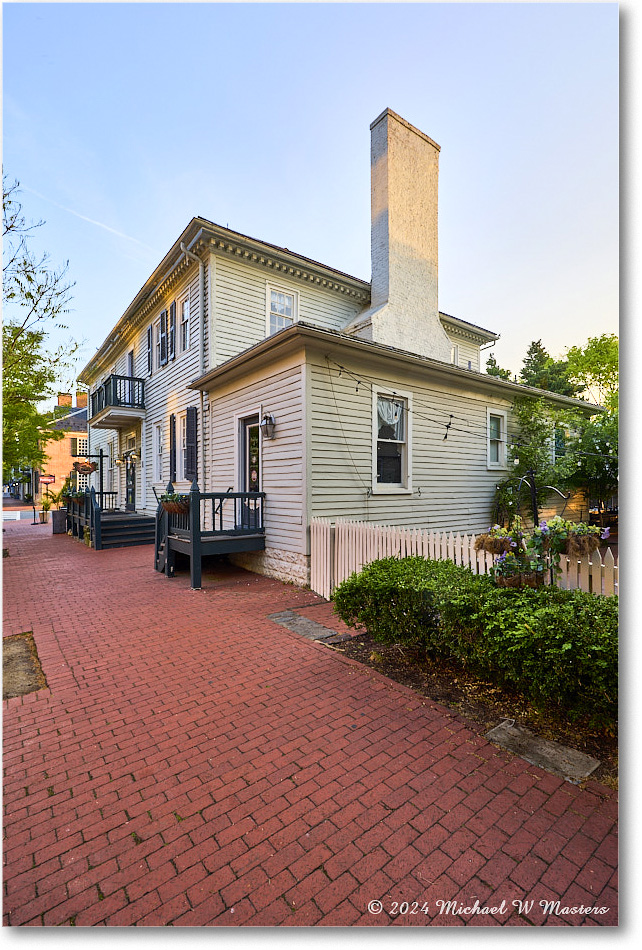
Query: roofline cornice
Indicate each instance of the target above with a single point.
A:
(292, 336)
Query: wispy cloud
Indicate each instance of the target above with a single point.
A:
(83, 217)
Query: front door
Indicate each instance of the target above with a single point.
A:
(250, 471)
(130, 485)
(251, 476)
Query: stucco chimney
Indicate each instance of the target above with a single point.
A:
(403, 311)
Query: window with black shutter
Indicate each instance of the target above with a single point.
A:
(150, 349)
(172, 448)
(172, 330)
(191, 442)
(163, 338)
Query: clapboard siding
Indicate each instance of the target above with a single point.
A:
(241, 305)
(456, 485)
(282, 459)
(467, 351)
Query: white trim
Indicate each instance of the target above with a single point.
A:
(271, 288)
(503, 415)
(178, 329)
(405, 488)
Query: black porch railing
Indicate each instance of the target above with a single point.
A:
(118, 391)
(85, 513)
(213, 523)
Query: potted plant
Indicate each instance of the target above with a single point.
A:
(175, 503)
(59, 514)
(573, 538)
(523, 570)
(45, 505)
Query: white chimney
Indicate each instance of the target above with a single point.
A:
(403, 310)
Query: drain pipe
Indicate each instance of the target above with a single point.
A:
(201, 351)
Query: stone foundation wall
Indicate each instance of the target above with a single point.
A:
(282, 565)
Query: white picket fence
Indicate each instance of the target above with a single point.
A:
(338, 550)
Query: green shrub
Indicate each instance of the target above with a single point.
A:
(559, 648)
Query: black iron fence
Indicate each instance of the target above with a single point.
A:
(125, 391)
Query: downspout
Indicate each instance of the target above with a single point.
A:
(201, 352)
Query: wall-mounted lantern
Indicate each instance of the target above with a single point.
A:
(268, 425)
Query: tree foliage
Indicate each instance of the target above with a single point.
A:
(493, 369)
(594, 367)
(35, 299)
(540, 370)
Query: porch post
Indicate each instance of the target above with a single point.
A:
(195, 535)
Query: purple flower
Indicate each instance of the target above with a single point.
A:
(606, 534)
(513, 544)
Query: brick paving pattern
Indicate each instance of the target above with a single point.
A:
(192, 763)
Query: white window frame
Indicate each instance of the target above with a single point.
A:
(454, 354)
(181, 304)
(279, 289)
(79, 448)
(158, 452)
(502, 414)
(405, 486)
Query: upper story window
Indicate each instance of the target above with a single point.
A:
(184, 323)
(282, 307)
(83, 447)
(454, 354)
(392, 442)
(497, 425)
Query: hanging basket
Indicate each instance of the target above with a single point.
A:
(176, 507)
(530, 579)
(486, 542)
(577, 545)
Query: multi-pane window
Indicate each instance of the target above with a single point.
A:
(184, 312)
(282, 310)
(496, 439)
(391, 424)
(83, 481)
(83, 447)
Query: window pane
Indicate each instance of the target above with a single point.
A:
(494, 451)
(389, 457)
(495, 427)
(390, 419)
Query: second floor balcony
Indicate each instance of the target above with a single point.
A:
(118, 403)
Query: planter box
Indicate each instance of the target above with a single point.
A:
(532, 579)
(44, 517)
(59, 521)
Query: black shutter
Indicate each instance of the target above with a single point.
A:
(172, 449)
(191, 456)
(163, 337)
(150, 349)
(172, 330)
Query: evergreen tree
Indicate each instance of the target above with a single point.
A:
(493, 369)
(540, 370)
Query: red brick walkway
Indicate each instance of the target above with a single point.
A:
(193, 763)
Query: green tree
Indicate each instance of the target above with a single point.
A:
(493, 369)
(540, 370)
(35, 300)
(595, 368)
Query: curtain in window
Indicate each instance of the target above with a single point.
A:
(390, 419)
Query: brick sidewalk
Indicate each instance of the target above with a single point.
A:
(193, 763)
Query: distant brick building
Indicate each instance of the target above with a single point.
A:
(62, 454)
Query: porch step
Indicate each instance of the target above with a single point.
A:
(126, 530)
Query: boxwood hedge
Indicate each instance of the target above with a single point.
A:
(559, 648)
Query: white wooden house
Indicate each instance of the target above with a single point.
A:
(377, 403)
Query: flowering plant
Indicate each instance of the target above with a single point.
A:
(510, 564)
(499, 540)
(558, 536)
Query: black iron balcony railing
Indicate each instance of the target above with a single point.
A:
(118, 391)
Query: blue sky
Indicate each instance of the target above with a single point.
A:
(122, 121)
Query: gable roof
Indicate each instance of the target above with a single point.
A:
(74, 421)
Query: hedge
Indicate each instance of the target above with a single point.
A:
(558, 648)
